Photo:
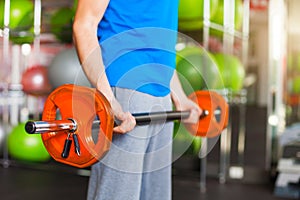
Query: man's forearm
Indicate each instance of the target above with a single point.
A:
(177, 92)
(88, 15)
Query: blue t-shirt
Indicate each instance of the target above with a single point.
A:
(137, 39)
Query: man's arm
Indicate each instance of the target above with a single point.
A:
(182, 102)
(88, 14)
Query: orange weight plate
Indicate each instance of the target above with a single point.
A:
(83, 105)
(216, 119)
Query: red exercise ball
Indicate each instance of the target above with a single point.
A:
(35, 81)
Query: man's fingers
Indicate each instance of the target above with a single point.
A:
(127, 123)
(194, 116)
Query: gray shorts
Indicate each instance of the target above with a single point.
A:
(138, 164)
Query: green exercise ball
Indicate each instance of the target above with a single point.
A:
(184, 142)
(231, 69)
(21, 20)
(21, 14)
(297, 63)
(1, 14)
(196, 145)
(296, 85)
(25, 147)
(75, 3)
(182, 139)
(61, 24)
(66, 69)
(197, 70)
(190, 13)
(218, 17)
(22, 37)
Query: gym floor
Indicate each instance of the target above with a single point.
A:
(32, 184)
(56, 181)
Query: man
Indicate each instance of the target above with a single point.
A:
(127, 51)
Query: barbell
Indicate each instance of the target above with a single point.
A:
(81, 108)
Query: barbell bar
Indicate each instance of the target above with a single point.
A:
(33, 127)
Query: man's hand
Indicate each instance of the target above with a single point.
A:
(195, 110)
(127, 121)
